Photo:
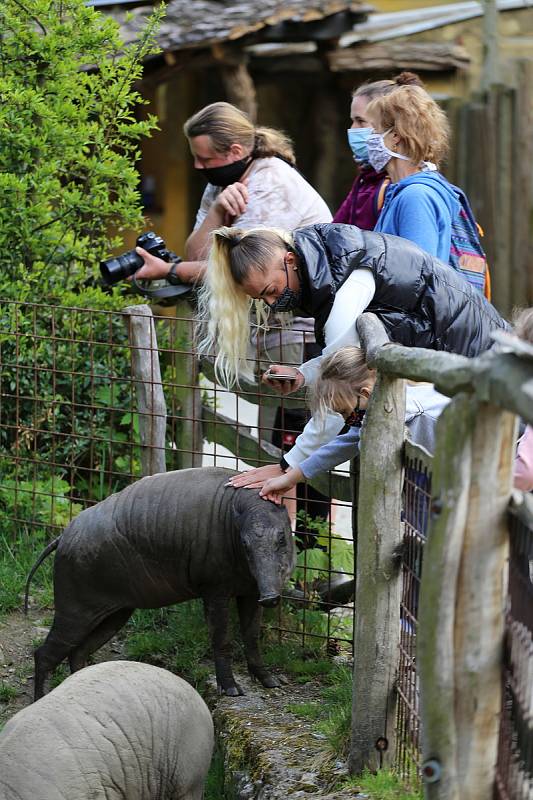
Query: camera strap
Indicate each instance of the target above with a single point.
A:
(162, 292)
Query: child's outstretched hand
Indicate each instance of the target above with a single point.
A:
(275, 488)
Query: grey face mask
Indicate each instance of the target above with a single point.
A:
(289, 299)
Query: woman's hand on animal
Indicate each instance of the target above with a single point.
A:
(275, 488)
(287, 386)
(255, 478)
(233, 200)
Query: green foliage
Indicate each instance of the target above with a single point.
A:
(16, 560)
(66, 395)
(44, 502)
(69, 141)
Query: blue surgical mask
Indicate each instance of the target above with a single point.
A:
(379, 154)
(357, 138)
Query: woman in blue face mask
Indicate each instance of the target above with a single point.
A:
(363, 203)
(408, 129)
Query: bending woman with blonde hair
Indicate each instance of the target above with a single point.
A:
(333, 273)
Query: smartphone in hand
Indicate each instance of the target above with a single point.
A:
(279, 376)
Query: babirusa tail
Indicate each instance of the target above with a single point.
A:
(46, 552)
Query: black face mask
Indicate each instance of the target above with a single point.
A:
(226, 174)
(289, 299)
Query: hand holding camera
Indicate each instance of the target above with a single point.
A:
(148, 262)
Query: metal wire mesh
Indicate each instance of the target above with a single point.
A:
(416, 506)
(514, 769)
(72, 432)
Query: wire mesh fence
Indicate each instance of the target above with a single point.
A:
(74, 428)
(514, 770)
(416, 508)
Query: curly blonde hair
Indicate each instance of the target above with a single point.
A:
(417, 119)
(225, 124)
(341, 377)
(224, 307)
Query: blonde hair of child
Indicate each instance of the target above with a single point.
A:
(523, 323)
(224, 307)
(417, 119)
(225, 124)
(341, 377)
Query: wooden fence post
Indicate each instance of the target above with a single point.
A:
(442, 555)
(462, 598)
(186, 394)
(480, 606)
(148, 387)
(378, 585)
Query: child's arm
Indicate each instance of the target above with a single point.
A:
(275, 488)
(329, 456)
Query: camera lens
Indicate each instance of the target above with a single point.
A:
(118, 269)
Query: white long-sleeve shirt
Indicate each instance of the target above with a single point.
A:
(350, 301)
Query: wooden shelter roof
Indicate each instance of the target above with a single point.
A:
(191, 24)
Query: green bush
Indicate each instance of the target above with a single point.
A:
(69, 140)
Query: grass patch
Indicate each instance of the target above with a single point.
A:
(16, 559)
(302, 666)
(175, 638)
(214, 785)
(332, 714)
(384, 785)
(7, 692)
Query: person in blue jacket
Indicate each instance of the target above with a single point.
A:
(409, 129)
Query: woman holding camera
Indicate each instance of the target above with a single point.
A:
(333, 273)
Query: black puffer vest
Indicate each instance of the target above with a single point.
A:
(421, 301)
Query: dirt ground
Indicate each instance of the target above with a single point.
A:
(18, 637)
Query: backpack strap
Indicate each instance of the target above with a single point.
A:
(380, 197)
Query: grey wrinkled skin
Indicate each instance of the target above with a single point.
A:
(166, 539)
(114, 731)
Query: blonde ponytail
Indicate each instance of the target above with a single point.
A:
(270, 142)
(224, 307)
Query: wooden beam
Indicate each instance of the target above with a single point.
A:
(420, 56)
(488, 376)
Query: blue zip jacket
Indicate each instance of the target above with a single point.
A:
(421, 208)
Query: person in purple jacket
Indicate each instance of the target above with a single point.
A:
(364, 201)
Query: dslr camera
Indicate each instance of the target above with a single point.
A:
(117, 269)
